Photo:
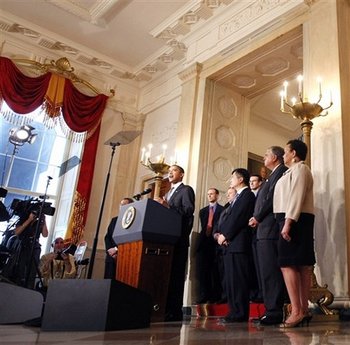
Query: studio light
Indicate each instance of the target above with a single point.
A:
(20, 136)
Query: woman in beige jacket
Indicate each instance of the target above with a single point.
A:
(294, 210)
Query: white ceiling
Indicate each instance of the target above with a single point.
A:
(136, 39)
(118, 29)
(131, 39)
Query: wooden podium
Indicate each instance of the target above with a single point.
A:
(145, 233)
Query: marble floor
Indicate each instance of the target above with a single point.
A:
(194, 331)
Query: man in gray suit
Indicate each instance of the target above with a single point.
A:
(267, 237)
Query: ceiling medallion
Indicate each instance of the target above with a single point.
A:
(243, 81)
(272, 66)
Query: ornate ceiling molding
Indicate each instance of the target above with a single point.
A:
(92, 13)
(181, 21)
(174, 31)
(191, 72)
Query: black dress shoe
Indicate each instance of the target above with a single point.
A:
(231, 319)
(202, 301)
(270, 320)
(173, 317)
(257, 300)
(222, 301)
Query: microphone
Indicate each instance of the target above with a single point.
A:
(137, 196)
(144, 192)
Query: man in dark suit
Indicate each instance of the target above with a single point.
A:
(111, 246)
(255, 183)
(206, 260)
(234, 235)
(230, 196)
(267, 237)
(180, 199)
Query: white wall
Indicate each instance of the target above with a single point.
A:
(160, 128)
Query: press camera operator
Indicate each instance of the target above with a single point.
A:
(28, 252)
(58, 264)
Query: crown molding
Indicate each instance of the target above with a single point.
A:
(92, 14)
(181, 31)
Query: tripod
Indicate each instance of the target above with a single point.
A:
(39, 224)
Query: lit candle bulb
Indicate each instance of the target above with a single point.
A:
(143, 151)
(300, 86)
(282, 100)
(319, 81)
(164, 147)
(150, 150)
(294, 100)
(147, 157)
(285, 84)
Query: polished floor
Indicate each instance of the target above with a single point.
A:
(195, 331)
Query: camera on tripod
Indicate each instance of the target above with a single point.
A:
(31, 205)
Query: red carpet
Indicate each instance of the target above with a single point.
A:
(203, 310)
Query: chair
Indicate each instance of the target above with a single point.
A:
(80, 262)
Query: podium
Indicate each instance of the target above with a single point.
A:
(146, 233)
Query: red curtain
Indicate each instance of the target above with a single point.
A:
(81, 113)
(78, 215)
(22, 94)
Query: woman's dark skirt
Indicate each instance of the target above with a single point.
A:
(299, 251)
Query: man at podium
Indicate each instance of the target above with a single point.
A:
(181, 199)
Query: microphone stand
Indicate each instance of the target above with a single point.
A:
(36, 237)
(94, 247)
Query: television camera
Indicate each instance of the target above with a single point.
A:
(31, 205)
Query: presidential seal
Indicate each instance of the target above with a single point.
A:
(128, 217)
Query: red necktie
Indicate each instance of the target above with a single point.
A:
(210, 221)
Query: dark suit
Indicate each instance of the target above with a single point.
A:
(237, 254)
(182, 202)
(267, 238)
(206, 259)
(110, 262)
(256, 294)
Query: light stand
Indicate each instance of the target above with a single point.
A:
(121, 138)
(18, 137)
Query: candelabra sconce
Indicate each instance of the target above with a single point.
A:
(305, 111)
(160, 168)
(300, 108)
